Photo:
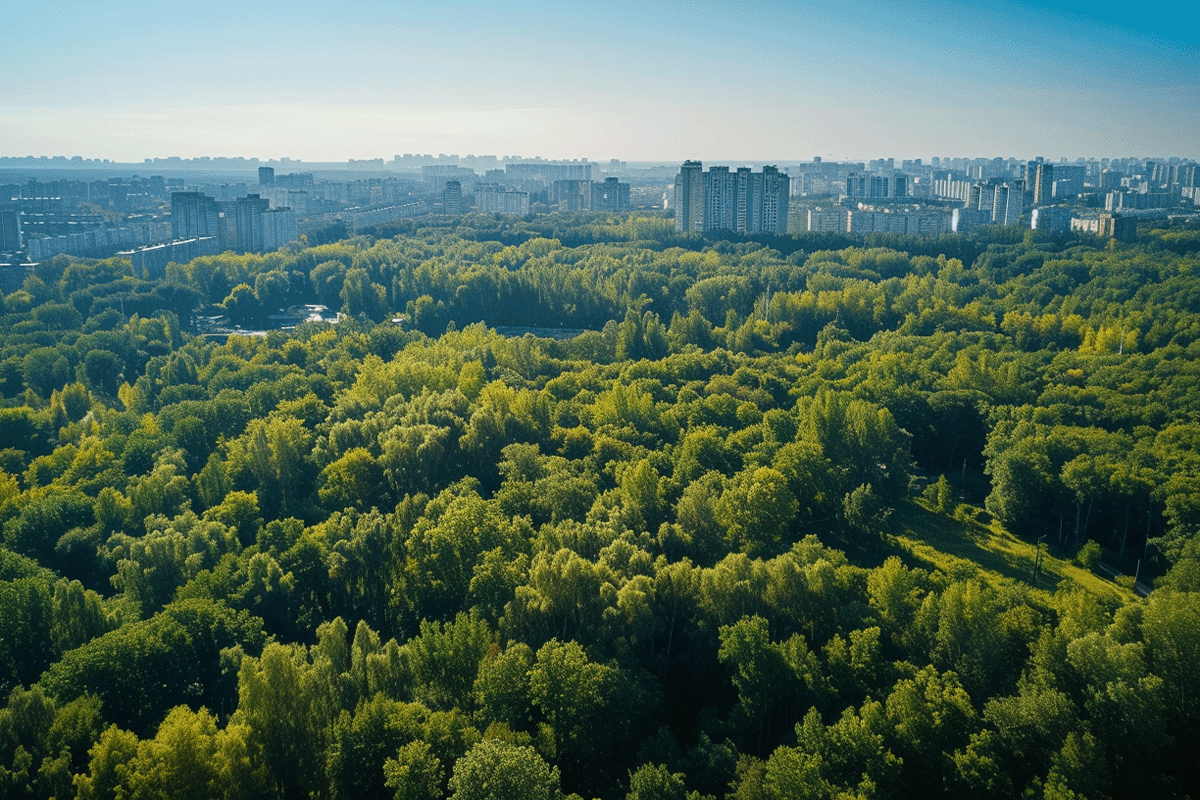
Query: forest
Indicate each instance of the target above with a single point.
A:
(696, 550)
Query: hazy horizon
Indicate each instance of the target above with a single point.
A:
(640, 82)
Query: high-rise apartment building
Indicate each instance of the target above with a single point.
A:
(10, 227)
(579, 195)
(967, 219)
(772, 216)
(893, 219)
(194, 215)
(1110, 179)
(1003, 200)
(452, 198)
(1115, 226)
(266, 176)
(283, 197)
(742, 201)
(548, 171)
(822, 177)
(1039, 181)
(1126, 200)
(830, 220)
(493, 198)
(1054, 219)
(610, 195)
(689, 198)
(570, 195)
(278, 228)
(950, 188)
(241, 228)
(1068, 181)
(877, 185)
(721, 199)
(244, 225)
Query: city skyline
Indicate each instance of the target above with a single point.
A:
(741, 82)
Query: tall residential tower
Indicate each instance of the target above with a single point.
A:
(689, 198)
(742, 201)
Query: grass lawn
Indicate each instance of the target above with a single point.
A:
(960, 548)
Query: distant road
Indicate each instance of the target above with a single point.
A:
(544, 333)
(1140, 588)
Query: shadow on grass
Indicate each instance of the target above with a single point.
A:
(955, 546)
(961, 547)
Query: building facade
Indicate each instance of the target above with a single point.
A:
(950, 188)
(1115, 226)
(492, 198)
(548, 171)
(241, 228)
(452, 198)
(907, 222)
(244, 225)
(1003, 200)
(877, 185)
(194, 215)
(834, 220)
(279, 227)
(741, 201)
(570, 195)
(10, 228)
(1039, 181)
(966, 220)
(610, 195)
(151, 261)
(689, 198)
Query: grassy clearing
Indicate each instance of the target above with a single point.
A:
(962, 547)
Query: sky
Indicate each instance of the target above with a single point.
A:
(639, 81)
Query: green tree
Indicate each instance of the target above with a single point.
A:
(502, 687)
(591, 708)
(496, 770)
(758, 509)
(931, 715)
(30, 764)
(103, 370)
(353, 481)
(866, 512)
(943, 496)
(144, 668)
(642, 493)
(1169, 627)
(846, 759)
(46, 369)
(656, 782)
(773, 679)
(106, 765)
(179, 761)
(327, 278)
(415, 773)
(444, 660)
(361, 297)
(361, 744)
(703, 450)
(243, 307)
(288, 714)
(276, 452)
(239, 512)
(26, 647)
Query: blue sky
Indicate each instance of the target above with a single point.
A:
(633, 80)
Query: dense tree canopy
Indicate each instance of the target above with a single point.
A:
(668, 552)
